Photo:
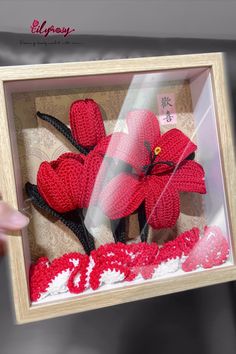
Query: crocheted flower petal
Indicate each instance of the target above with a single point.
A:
(103, 145)
(52, 189)
(69, 171)
(134, 148)
(72, 155)
(121, 196)
(162, 203)
(175, 146)
(91, 178)
(86, 122)
(67, 155)
(59, 184)
(143, 126)
(189, 177)
(121, 147)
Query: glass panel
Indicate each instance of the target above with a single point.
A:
(121, 176)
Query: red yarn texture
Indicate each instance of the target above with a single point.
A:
(143, 127)
(156, 178)
(86, 122)
(44, 272)
(129, 260)
(59, 182)
(69, 182)
(159, 187)
(212, 250)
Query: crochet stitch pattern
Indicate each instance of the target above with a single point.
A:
(114, 263)
(63, 129)
(73, 220)
(86, 122)
(211, 251)
(64, 186)
(161, 168)
(135, 171)
(140, 172)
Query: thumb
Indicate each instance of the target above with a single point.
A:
(11, 219)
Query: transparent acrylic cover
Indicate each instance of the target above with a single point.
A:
(121, 176)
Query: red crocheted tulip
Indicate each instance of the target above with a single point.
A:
(59, 182)
(69, 182)
(161, 171)
(86, 122)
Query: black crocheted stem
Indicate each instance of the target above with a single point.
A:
(73, 220)
(64, 130)
(118, 228)
(113, 230)
(76, 216)
(121, 230)
(143, 225)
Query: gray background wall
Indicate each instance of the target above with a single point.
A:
(184, 18)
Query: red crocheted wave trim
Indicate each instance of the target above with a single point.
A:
(44, 272)
(212, 250)
(112, 263)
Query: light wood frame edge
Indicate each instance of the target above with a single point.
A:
(8, 188)
(26, 313)
(224, 121)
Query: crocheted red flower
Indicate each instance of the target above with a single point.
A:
(159, 171)
(58, 182)
(86, 122)
(68, 182)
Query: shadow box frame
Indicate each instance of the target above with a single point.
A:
(17, 253)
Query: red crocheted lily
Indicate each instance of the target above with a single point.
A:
(159, 171)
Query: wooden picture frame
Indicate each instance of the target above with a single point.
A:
(16, 79)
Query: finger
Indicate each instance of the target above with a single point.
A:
(11, 219)
(3, 237)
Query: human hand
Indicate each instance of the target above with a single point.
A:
(10, 219)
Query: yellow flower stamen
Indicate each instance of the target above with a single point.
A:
(157, 150)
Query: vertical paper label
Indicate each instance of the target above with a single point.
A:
(166, 108)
